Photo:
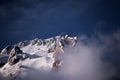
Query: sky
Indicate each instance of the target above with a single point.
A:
(96, 22)
(27, 19)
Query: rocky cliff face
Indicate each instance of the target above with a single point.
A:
(11, 55)
(43, 53)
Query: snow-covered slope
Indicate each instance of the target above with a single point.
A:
(35, 54)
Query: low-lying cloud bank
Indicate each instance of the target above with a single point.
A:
(93, 58)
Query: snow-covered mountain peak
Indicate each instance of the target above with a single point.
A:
(41, 53)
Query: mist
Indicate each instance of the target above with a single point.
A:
(92, 58)
(87, 62)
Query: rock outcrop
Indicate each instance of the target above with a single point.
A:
(7, 50)
(11, 55)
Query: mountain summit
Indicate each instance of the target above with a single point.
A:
(43, 54)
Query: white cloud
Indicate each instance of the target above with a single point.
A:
(93, 58)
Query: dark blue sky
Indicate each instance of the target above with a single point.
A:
(27, 19)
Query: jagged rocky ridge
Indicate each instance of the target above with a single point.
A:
(11, 54)
(25, 53)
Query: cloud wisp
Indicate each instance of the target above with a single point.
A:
(92, 58)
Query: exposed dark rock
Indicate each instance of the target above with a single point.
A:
(69, 41)
(21, 44)
(13, 56)
(39, 42)
(56, 64)
(7, 50)
(34, 41)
